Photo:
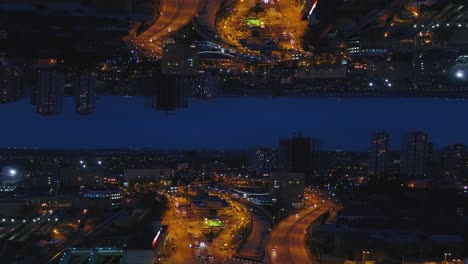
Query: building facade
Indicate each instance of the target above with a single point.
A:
(263, 160)
(415, 152)
(379, 152)
(287, 188)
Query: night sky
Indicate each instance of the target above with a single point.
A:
(234, 123)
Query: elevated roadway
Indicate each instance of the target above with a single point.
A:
(174, 14)
(287, 241)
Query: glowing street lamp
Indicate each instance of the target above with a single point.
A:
(364, 253)
(459, 74)
(445, 256)
(12, 172)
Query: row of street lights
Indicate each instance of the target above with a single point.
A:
(365, 252)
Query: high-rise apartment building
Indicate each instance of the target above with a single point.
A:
(49, 92)
(454, 158)
(45, 175)
(84, 88)
(415, 152)
(263, 160)
(379, 153)
(300, 154)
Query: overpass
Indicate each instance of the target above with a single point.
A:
(174, 14)
(287, 241)
(259, 196)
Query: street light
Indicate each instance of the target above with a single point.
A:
(364, 253)
(445, 256)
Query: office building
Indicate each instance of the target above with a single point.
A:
(263, 160)
(415, 153)
(99, 200)
(379, 153)
(287, 188)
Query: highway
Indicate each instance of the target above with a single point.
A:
(287, 243)
(174, 15)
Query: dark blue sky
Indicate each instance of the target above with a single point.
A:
(234, 123)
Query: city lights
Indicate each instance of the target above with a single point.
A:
(234, 131)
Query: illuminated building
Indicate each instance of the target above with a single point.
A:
(161, 174)
(379, 154)
(263, 160)
(45, 175)
(287, 188)
(99, 199)
(206, 85)
(4, 90)
(49, 92)
(454, 158)
(84, 86)
(415, 151)
(11, 87)
(179, 59)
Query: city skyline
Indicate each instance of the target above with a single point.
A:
(329, 120)
(233, 131)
